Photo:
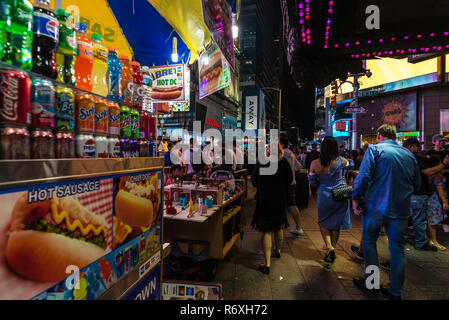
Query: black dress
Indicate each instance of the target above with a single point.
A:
(271, 198)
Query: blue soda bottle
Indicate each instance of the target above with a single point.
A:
(114, 76)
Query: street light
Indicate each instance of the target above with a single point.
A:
(280, 100)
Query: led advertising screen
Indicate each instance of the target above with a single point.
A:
(214, 72)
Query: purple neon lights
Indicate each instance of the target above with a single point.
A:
(330, 10)
(304, 15)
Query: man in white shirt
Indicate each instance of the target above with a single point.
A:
(295, 166)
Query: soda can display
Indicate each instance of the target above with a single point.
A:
(64, 145)
(135, 124)
(85, 145)
(114, 119)
(144, 150)
(101, 146)
(14, 142)
(85, 113)
(15, 90)
(125, 122)
(43, 103)
(101, 117)
(124, 148)
(144, 130)
(114, 147)
(65, 109)
(42, 144)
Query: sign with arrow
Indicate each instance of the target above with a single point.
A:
(356, 109)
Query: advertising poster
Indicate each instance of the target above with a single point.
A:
(218, 19)
(147, 288)
(175, 290)
(167, 83)
(214, 72)
(56, 235)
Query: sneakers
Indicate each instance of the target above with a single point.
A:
(360, 284)
(387, 294)
(427, 247)
(356, 251)
(297, 232)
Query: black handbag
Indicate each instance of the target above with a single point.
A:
(342, 193)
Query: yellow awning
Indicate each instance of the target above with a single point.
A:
(186, 17)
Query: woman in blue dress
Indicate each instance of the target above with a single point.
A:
(333, 216)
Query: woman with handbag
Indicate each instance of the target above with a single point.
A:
(333, 195)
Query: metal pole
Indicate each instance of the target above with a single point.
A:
(280, 101)
(354, 115)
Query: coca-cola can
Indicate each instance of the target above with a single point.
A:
(43, 103)
(153, 128)
(114, 147)
(15, 90)
(101, 146)
(65, 145)
(144, 150)
(14, 142)
(85, 145)
(145, 119)
(42, 144)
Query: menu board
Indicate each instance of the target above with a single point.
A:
(214, 72)
(74, 239)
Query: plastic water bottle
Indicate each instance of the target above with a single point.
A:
(66, 53)
(21, 34)
(100, 67)
(46, 35)
(114, 76)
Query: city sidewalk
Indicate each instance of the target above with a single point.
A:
(300, 273)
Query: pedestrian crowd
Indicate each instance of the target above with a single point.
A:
(397, 190)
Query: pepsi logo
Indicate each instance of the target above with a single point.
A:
(53, 28)
(89, 148)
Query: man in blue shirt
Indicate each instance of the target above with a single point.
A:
(167, 158)
(388, 177)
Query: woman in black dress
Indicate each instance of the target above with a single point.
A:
(270, 214)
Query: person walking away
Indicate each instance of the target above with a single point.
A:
(388, 177)
(438, 204)
(420, 198)
(167, 155)
(312, 155)
(333, 216)
(295, 167)
(342, 152)
(270, 215)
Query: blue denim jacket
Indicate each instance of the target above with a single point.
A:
(387, 178)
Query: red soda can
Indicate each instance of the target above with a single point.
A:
(152, 132)
(14, 142)
(85, 113)
(114, 119)
(65, 145)
(15, 90)
(43, 103)
(101, 116)
(144, 125)
(42, 144)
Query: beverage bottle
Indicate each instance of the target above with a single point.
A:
(127, 81)
(138, 86)
(125, 122)
(114, 76)
(66, 52)
(85, 59)
(5, 28)
(21, 34)
(147, 83)
(100, 66)
(46, 34)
